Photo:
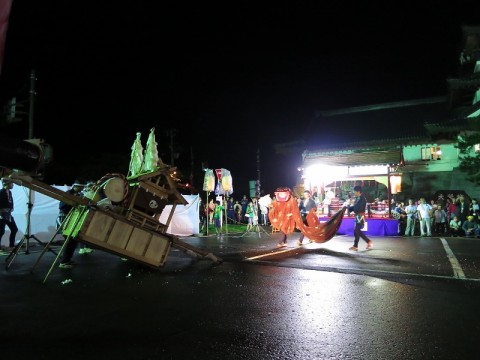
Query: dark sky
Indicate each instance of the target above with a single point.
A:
(229, 77)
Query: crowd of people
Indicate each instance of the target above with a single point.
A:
(445, 216)
(249, 211)
(450, 215)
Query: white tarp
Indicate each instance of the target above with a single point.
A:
(43, 218)
(185, 221)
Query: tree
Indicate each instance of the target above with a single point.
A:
(470, 156)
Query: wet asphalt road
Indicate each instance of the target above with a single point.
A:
(408, 298)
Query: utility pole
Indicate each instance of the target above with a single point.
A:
(258, 184)
(32, 102)
(172, 133)
(191, 166)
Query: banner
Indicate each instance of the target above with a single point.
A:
(225, 183)
(208, 181)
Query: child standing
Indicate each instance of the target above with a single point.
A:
(217, 217)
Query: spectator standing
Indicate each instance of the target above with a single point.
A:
(252, 215)
(6, 218)
(463, 208)
(211, 207)
(423, 214)
(257, 210)
(230, 211)
(434, 206)
(263, 204)
(411, 210)
(238, 211)
(217, 217)
(244, 203)
(474, 207)
(450, 209)
(202, 215)
(399, 209)
(440, 220)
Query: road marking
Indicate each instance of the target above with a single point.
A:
(270, 254)
(358, 271)
(457, 269)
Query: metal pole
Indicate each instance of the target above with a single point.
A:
(389, 190)
(258, 190)
(207, 211)
(226, 213)
(32, 102)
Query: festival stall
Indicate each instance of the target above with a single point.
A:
(331, 175)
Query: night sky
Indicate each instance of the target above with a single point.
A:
(227, 78)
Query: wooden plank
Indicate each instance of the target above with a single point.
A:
(110, 233)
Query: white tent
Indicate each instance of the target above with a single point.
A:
(185, 220)
(44, 214)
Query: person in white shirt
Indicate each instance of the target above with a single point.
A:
(423, 214)
(440, 217)
(411, 210)
(474, 207)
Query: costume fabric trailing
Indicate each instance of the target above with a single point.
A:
(285, 216)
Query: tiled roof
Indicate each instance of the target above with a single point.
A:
(378, 128)
(472, 81)
(385, 156)
(389, 124)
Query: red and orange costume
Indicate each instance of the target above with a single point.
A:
(285, 216)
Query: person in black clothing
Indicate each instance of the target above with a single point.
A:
(230, 211)
(244, 203)
(77, 187)
(359, 209)
(6, 208)
(305, 206)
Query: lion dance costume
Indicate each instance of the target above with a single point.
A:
(285, 216)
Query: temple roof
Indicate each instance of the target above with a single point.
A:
(385, 156)
(380, 128)
(393, 122)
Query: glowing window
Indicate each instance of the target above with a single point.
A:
(431, 153)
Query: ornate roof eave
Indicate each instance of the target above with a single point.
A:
(472, 112)
(470, 29)
(372, 145)
(470, 82)
(463, 119)
(293, 147)
(365, 158)
(434, 129)
(414, 166)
